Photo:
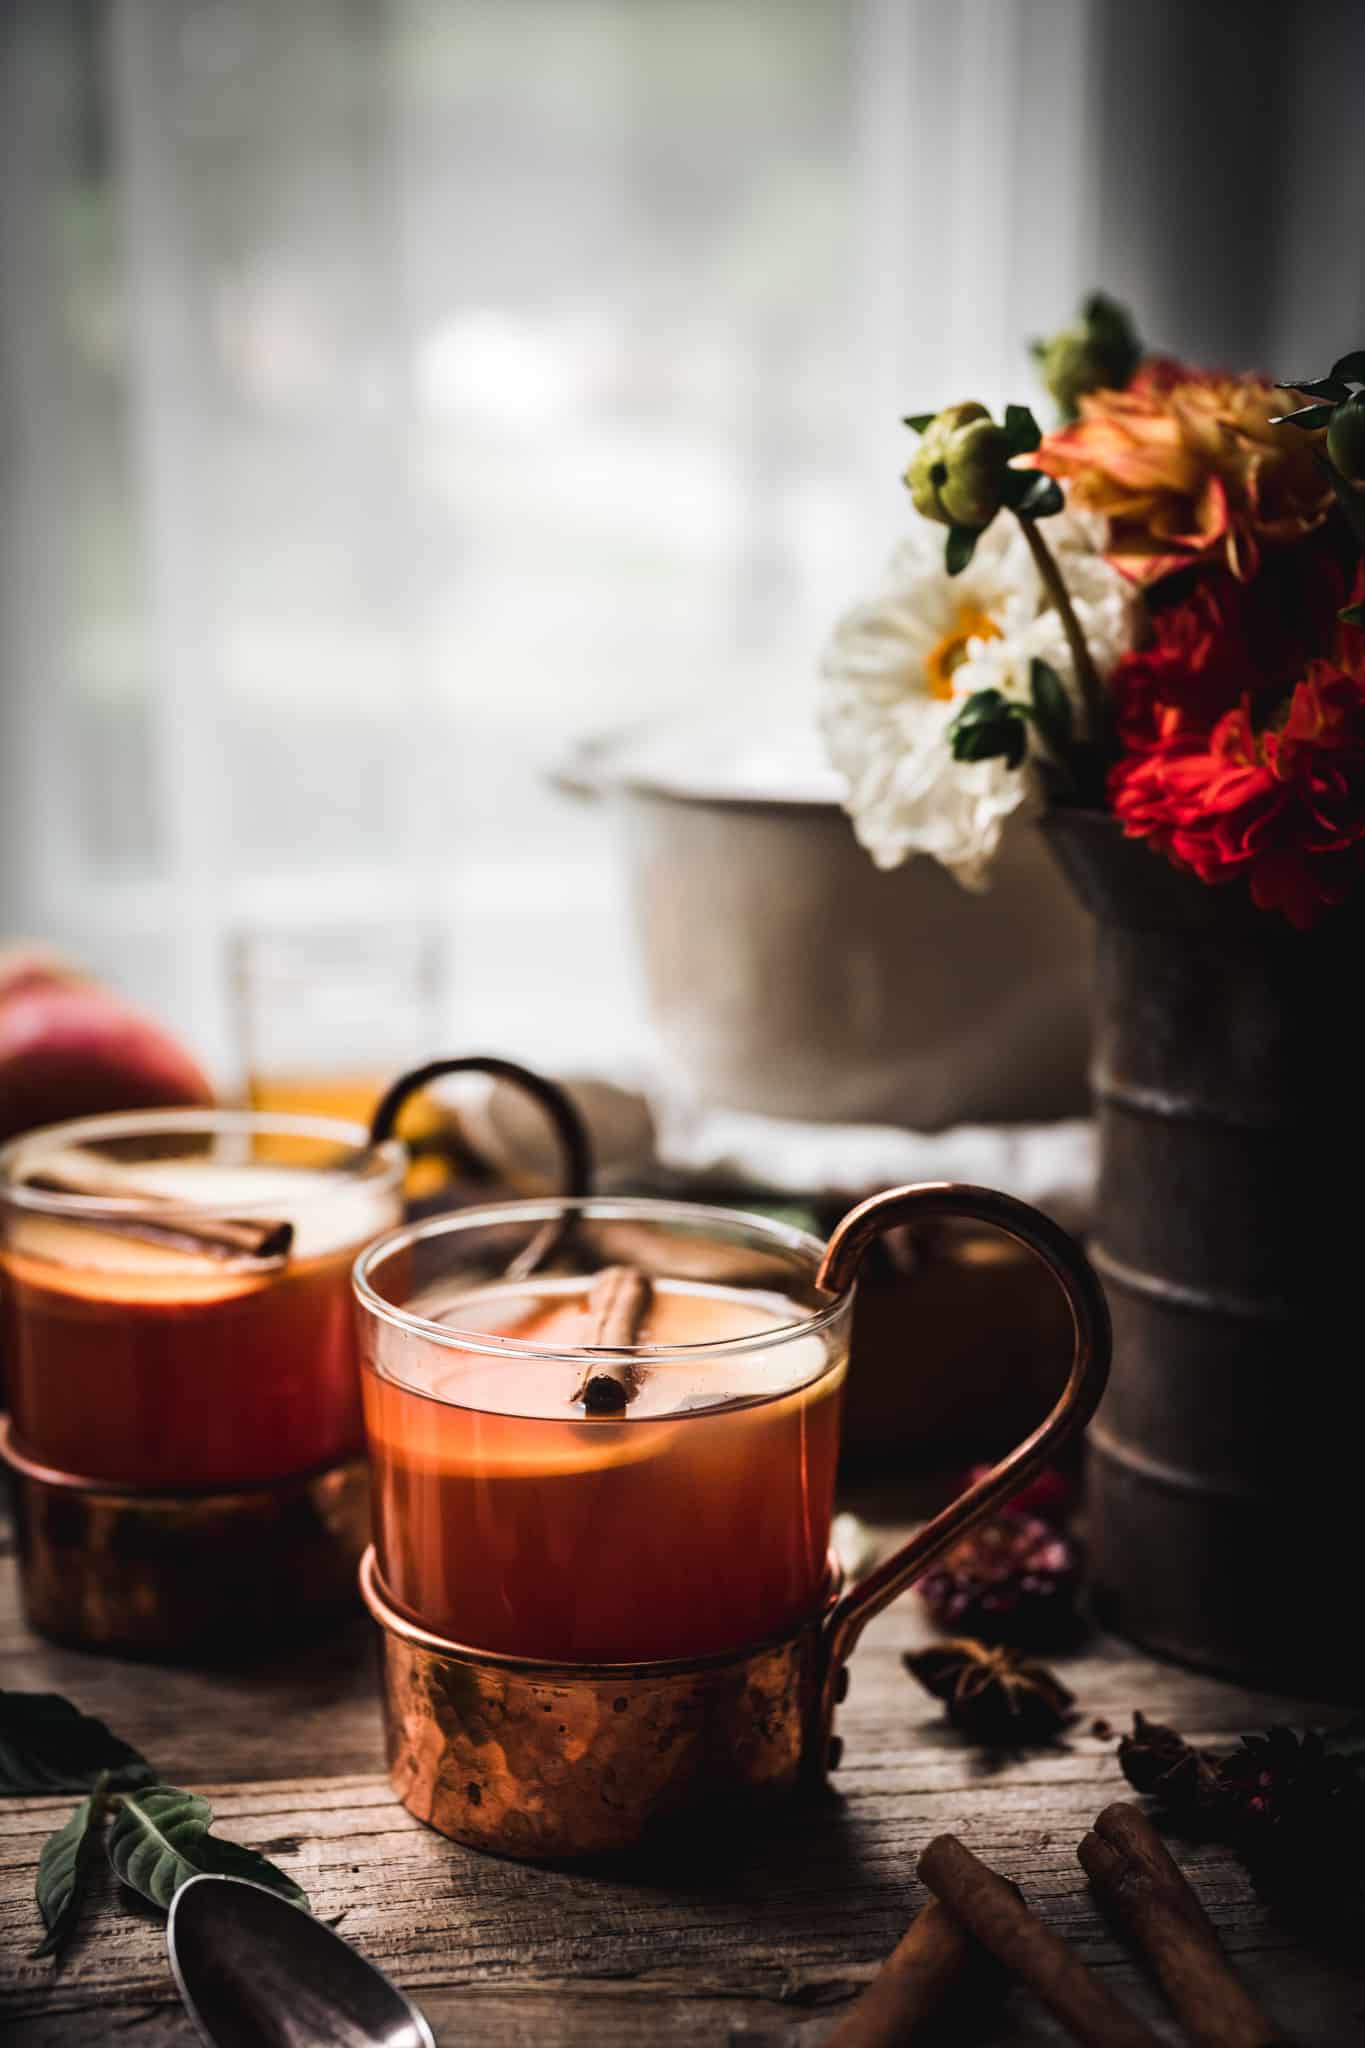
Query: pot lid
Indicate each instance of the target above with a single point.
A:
(756, 756)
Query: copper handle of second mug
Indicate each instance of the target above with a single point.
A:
(1075, 1405)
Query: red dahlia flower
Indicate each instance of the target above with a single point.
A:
(1222, 641)
(1284, 805)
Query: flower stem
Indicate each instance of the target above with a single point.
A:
(1087, 679)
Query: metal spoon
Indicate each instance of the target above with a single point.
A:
(255, 1971)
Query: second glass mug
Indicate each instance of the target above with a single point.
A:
(602, 1616)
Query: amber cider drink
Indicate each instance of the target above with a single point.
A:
(509, 1519)
(147, 1363)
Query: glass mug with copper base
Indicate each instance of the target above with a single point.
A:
(603, 1436)
(185, 1438)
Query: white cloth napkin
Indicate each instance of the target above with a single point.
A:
(637, 1132)
(1051, 1165)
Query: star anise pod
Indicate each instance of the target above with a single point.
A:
(992, 1694)
(1157, 1760)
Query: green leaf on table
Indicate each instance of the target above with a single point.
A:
(47, 1745)
(960, 548)
(1051, 705)
(64, 1867)
(160, 1839)
(918, 420)
(1022, 431)
(1351, 367)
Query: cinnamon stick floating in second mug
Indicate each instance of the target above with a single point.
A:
(990, 1907)
(618, 1301)
(1134, 1872)
(934, 1960)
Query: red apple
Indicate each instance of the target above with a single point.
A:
(71, 1048)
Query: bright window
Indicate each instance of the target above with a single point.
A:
(397, 390)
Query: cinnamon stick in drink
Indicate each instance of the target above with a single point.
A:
(1130, 1866)
(216, 1237)
(618, 1302)
(991, 1909)
(935, 1960)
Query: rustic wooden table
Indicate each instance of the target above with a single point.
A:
(764, 1945)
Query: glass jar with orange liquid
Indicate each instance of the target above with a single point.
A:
(182, 1367)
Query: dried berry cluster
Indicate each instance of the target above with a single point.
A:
(1014, 1578)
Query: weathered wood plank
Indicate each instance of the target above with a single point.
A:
(760, 1941)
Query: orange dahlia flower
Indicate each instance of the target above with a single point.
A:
(1188, 469)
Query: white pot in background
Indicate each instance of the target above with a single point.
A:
(789, 977)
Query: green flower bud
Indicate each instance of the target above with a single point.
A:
(1346, 440)
(1099, 354)
(957, 473)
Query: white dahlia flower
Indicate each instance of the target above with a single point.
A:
(899, 669)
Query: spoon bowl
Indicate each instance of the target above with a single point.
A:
(255, 1971)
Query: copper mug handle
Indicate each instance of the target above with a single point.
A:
(1077, 1402)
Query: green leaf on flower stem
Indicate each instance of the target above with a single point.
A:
(982, 742)
(1051, 705)
(63, 1869)
(1041, 498)
(1306, 417)
(1021, 430)
(160, 1839)
(1353, 615)
(1319, 387)
(1351, 367)
(1111, 322)
(960, 548)
(1023, 488)
(998, 730)
(918, 420)
(47, 1745)
(979, 707)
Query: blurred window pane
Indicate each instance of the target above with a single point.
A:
(426, 383)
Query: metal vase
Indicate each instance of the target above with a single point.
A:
(1227, 1083)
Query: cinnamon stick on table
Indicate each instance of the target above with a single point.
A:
(991, 1909)
(618, 1301)
(934, 1960)
(217, 1237)
(1130, 1866)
